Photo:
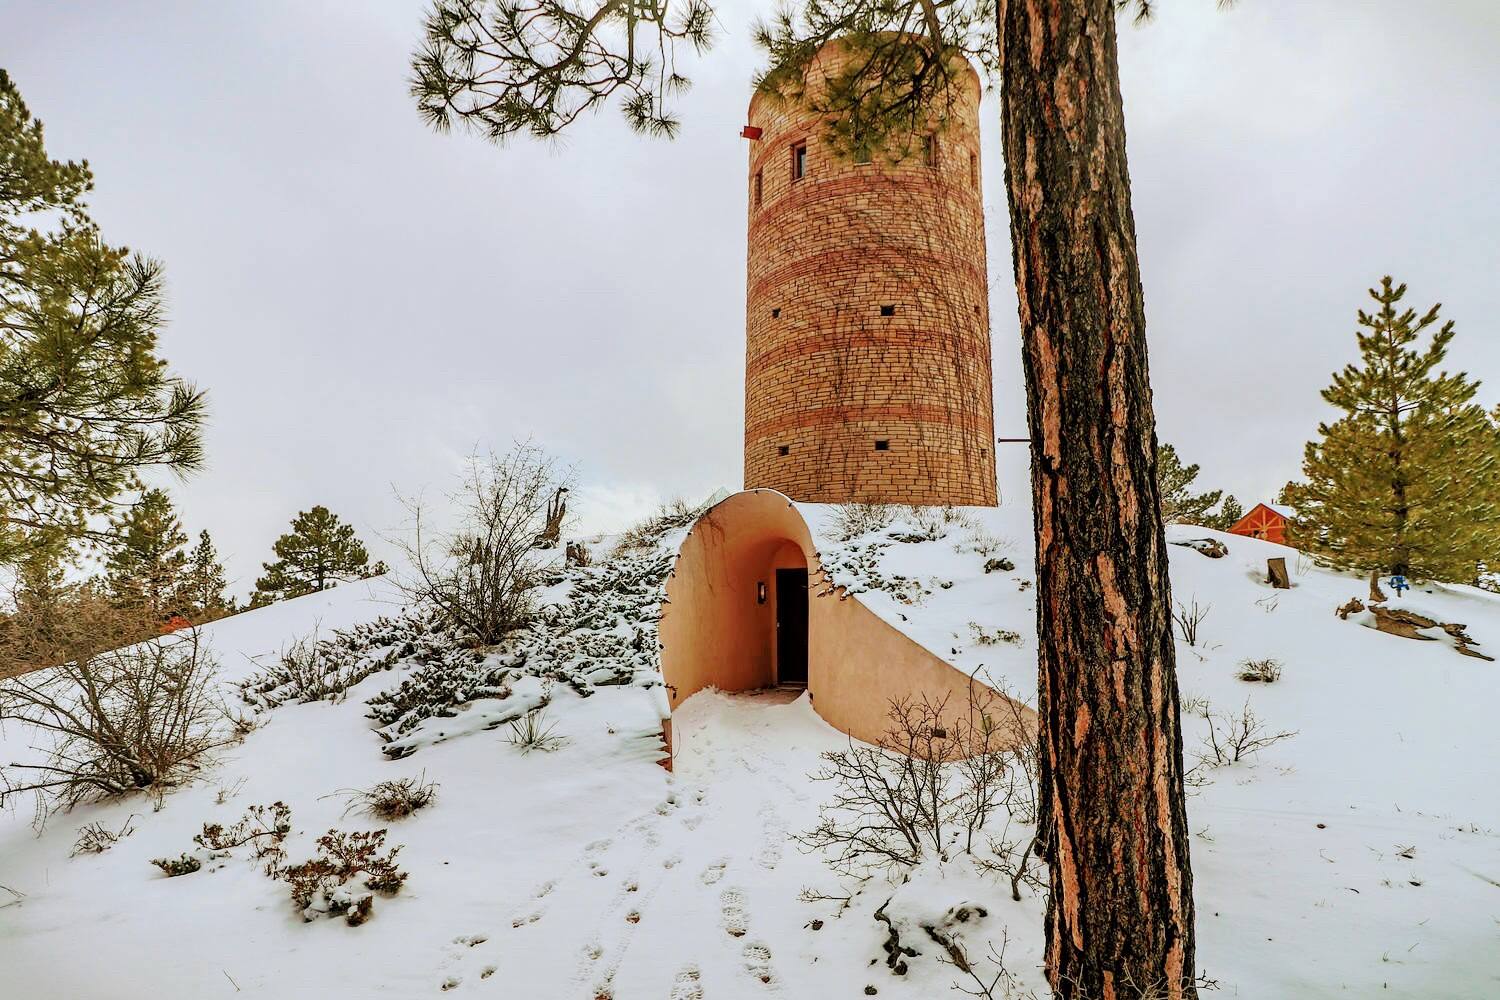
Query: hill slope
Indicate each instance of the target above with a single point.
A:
(1359, 857)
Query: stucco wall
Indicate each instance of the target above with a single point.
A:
(714, 633)
(826, 375)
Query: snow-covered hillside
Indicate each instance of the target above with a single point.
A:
(1358, 858)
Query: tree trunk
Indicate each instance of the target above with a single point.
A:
(1113, 826)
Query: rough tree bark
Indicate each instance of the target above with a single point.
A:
(1114, 830)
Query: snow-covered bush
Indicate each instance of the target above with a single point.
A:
(173, 867)
(1265, 671)
(858, 568)
(141, 717)
(394, 799)
(310, 670)
(344, 875)
(595, 626)
(441, 683)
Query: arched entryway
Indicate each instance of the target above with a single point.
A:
(737, 601)
(749, 607)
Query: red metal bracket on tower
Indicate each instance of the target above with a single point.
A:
(750, 132)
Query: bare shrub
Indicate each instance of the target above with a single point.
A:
(928, 524)
(850, 520)
(1193, 704)
(96, 838)
(984, 544)
(394, 799)
(1265, 671)
(931, 783)
(264, 828)
(322, 885)
(1232, 738)
(994, 637)
(668, 518)
(480, 576)
(141, 717)
(1189, 620)
(535, 731)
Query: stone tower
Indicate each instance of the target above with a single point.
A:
(867, 363)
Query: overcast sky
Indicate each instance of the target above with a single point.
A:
(367, 301)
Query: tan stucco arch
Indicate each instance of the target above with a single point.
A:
(715, 633)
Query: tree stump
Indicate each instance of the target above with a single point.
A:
(1276, 574)
(1377, 596)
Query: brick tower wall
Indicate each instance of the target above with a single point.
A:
(867, 317)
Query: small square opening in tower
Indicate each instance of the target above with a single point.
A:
(973, 170)
(888, 310)
(881, 444)
(929, 150)
(799, 161)
(776, 313)
(783, 449)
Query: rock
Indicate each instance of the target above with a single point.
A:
(1000, 564)
(1211, 547)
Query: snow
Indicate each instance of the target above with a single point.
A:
(1359, 858)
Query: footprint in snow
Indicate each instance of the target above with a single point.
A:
(714, 872)
(471, 939)
(688, 985)
(526, 918)
(672, 861)
(769, 857)
(692, 822)
(451, 983)
(732, 908)
(758, 961)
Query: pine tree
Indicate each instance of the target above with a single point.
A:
(1179, 505)
(86, 402)
(202, 591)
(1406, 481)
(1228, 514)
(318, 552)
(147, 563)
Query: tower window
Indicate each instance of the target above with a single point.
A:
(799, 161)
(929, 150)
(783, 450)
(760, 182)
(776, 313)
(973, 170)
(881, 444)
(888, 310)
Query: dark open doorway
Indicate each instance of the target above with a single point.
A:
(791, 626)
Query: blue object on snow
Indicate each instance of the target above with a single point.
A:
(1398, 584)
